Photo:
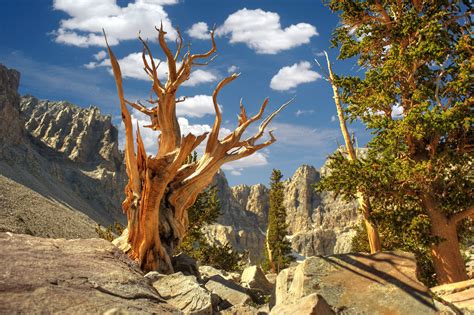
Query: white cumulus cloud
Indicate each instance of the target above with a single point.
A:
(199, 30)
(291, 76)
(261, 31)
(199, 77)
(87, 18)
(196, 106)
(236, 167)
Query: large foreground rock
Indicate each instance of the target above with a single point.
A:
(208, 272)
(229, 292)
(312, 304)
(254, 278)
(183, 292)
(384, 283)
(81, 276)
(240, 310)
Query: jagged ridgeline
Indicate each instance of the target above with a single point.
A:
(62, 173)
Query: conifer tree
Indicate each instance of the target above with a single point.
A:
(278, 248)
(416, 97)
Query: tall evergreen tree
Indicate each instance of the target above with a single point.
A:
(416, 97)
(278, 248)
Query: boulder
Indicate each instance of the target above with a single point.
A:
(312, 304)
(207, 272)
(254, 278)
(458, 294)
(383, 283)
(241, 309)
(185, 264)
(229, 292)
(80, 276)
(183, 292)
(282, 286)
(271, 277)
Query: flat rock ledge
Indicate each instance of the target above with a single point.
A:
(79, 276)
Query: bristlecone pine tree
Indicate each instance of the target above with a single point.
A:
(364, 204)
(278, 248)
(416, 95)
(161, 188)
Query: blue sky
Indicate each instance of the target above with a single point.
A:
(57, 47)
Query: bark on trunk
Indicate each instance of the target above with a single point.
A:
(372, 230)
(447, 258)
(269, 255)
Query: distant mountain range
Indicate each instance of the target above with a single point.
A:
(61, 173)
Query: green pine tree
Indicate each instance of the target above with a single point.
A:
(416, 98)
(278, 248)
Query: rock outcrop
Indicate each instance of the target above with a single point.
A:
(459, 295)
(63, 156)
(236, 225)
(207, 272)
(229, 292)
(182, 292)
(383, 283)
(313, 304)
(254, 278)
(86, 276)
(79, 134)
(254, 199)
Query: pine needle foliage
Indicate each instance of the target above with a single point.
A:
(278, 247)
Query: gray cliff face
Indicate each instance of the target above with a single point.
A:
(65, 156)
(236, 225)
(319, 223)
(254, 199)
(301, 201)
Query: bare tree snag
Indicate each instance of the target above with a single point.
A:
(161, 188)
(364, 204)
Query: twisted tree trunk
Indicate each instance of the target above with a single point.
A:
(447, 259)
(364, 204)
(161, 188)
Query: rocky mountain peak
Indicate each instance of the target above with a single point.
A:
(82, 135)
(305, 173)
(301, 199)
